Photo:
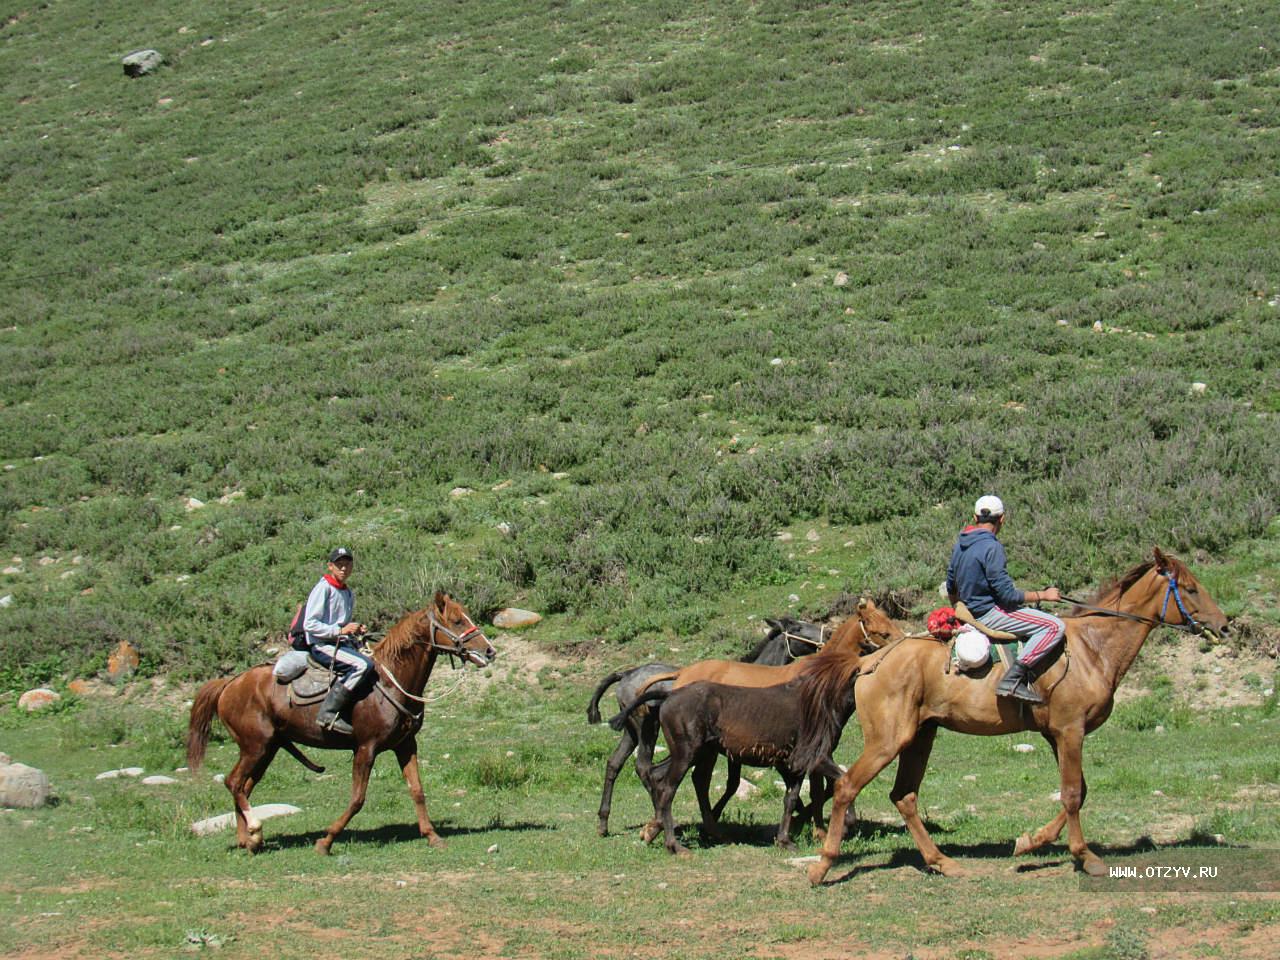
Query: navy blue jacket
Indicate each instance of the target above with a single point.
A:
(977, 573)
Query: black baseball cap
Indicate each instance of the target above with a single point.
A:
(340, 553)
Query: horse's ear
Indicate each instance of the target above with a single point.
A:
(773, 623)
(441, 598)
(863, 604)
(1162, 561)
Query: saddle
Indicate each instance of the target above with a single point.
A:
(308, 681)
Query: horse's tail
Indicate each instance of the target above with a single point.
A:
(593, 708)
(826, 703)
(619, 720)
(202, 711)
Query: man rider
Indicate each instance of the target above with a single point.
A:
(330, 629)
(977, 576)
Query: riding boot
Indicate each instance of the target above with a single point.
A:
(337, 702)
(1016, 683)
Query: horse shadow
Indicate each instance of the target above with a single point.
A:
(397, 833)
(1052, 856)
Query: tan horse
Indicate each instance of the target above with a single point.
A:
(868, 629)
(256, 711)
(904, 695)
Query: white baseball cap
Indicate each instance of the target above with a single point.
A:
(988, 508)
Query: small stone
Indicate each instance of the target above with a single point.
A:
(492, 848)
(192, 503)
(1159, 728)
(775, 362)
(513, 618)
(159, 780)
(1023, 747)
(460, 492)
(813, 536)
(746, 790)
(141, 62)
(842, 279)
(969, 778)
(1199, 388)
(117, 774)
(1097, 326)
(38, 699)
(785, 536)
(1157, 793)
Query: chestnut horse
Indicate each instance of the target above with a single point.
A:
(255, 709)
(904, 695)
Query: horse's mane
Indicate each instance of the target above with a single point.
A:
(825, 689)
(1110, 593)
(399, 639)
(754, 655)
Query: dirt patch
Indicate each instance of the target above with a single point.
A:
(1221, 677)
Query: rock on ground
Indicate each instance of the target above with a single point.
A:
(203, 828)
(23, 786)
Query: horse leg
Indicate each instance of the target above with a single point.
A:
(244, 776)
(906, 786)
(361, 765)
(626, 746)
(877, 753)
(677, 764)
(732, 779)
(407, 755)
(1051, 830)
(703, 767)
(794, 782)
(1070, 768)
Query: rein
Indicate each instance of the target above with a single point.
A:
(453, 651)
(1192, 625)
(816, 644)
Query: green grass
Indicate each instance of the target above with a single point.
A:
(341, 262)
(113, 867)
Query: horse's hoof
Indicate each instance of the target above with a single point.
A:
(1094, 866)
(784, 843)
(602, 830)
(948, 867)
(648, 833)
(680, 850)
(323, 845)
(817, 872)
(436, 841)
(1023, 845)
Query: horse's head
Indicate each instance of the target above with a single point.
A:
(450, 630)
(877, 628)
(1185, 601)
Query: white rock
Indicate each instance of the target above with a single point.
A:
(38, 699)
(775, 362)
(969, 778)
(219, 778)
(513, 618)
(1157, 793)
(1199, 387)
(203, 828)
(1023, 747)
(1097, 326)
(813, 536)
(23, 786)
(842, 279)
(804, 861)
(746, 790)
(6, 600)
(193, 504)
(158, 780)
(460, 492)
(492, 848)
(117, 774)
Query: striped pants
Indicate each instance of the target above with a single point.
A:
(351, 666)
(1039, 631)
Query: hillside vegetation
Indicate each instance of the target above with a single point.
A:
(652, 281)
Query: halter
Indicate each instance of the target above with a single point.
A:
(1191, 624)
(816, 644)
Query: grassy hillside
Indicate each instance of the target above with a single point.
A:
(653, 281)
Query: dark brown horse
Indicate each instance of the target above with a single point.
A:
(905, 694)
(256, 711)
(759, 726)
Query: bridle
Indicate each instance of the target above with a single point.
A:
(1190, 624)
(456, 649)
